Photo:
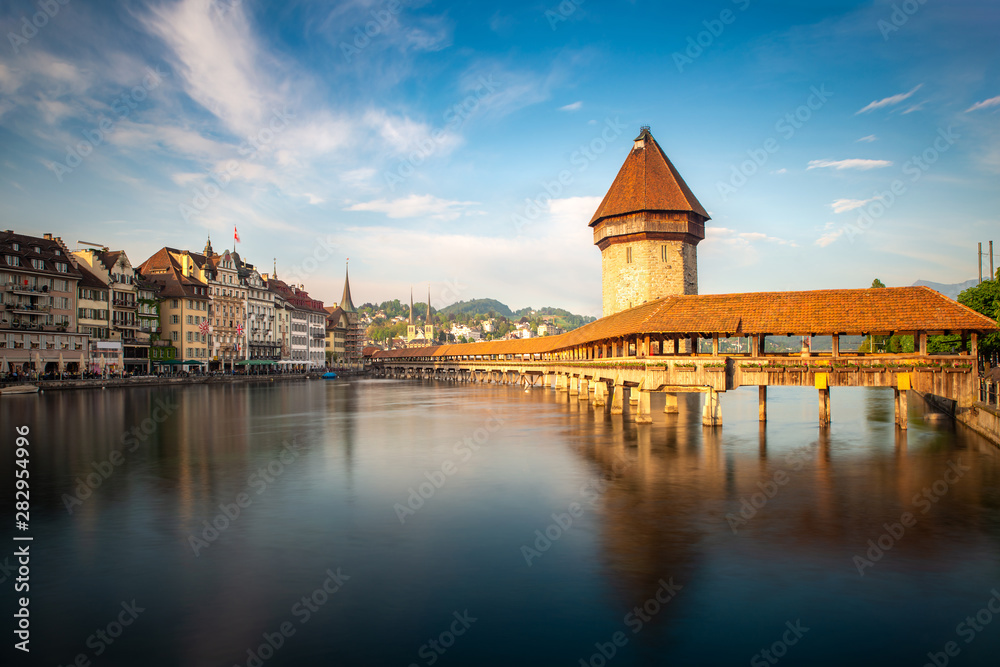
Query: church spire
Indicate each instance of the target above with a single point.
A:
(411, 306)
(208, 247)
(345, 302)
(428, 303)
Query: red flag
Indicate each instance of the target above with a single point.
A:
(236, 234)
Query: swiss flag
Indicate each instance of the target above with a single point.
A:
(236, 234)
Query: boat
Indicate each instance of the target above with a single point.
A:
(19, 389)
(329, 375)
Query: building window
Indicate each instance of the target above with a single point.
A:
(175, 336)
(665, 253)
(628, 255)
(12, 260)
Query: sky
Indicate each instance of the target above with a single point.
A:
(463, 147)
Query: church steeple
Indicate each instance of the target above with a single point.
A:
(345, 301)
(208, 252)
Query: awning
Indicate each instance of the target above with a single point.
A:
(255, 362)
(169, 362)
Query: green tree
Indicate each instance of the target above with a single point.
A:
(877, 283)
(983, 298)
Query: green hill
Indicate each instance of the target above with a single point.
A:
(478, 307)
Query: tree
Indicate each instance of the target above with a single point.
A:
(983, 298)
(877, 283)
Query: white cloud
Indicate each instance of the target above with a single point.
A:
(870, 138)
(888, 101)
(575, 106)
(416, 206)
(724, 235)
(829, 237)
(780, 171)
(985, 104)
(853, 163)
(845, 205)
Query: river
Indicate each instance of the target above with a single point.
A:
(380, 522)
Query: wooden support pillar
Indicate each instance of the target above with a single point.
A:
(584, 389)
(824, 406)
(670, 407)
(600, 389)
(715, 345)
(694, 344)
(901, 408)
(762, 403)
(974, 351)
(922, 343)
(836, 345)
(711, 414)
(754, 346)
(643, 414)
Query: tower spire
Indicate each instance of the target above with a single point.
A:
(411, 305)
(345, 302)
(428, 303)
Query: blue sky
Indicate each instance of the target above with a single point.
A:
(832, 142)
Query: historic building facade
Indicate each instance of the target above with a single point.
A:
(38, 294)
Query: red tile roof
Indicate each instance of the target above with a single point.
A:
(819, 312)
(648, 181)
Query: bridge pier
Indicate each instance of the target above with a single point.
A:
(584, 389)
(762, 403)
(670, 406)
(902, 408)
(617, 399)
(561, 383)
(600, 389)
(711, 414)
(574, 386)
(643, 414)
(824, 406)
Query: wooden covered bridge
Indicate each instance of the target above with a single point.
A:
(684, 343)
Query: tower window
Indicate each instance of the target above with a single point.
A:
(628, 255)
(663, 253)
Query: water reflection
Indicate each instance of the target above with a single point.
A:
(759, 523)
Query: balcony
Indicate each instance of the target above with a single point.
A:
(25, 289)
(124, 303)
(28, 309)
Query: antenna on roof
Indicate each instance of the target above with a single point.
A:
(644, 128)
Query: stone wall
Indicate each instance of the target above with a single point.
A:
(647, 277)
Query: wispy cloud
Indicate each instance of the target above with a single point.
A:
(845, 205)
(853, 163)
(575, 106)
(870, 138)
(829, 237)
(416, 206)
(888, 101)
(985, 104)
(728, 236)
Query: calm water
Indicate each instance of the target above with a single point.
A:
(325, 469)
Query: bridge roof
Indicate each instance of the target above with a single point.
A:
(819, 312)
(647, 181)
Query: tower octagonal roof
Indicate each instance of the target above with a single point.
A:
(648, 181)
